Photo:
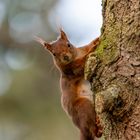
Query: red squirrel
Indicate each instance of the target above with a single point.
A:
(76, 94)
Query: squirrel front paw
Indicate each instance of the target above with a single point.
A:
(99, 128)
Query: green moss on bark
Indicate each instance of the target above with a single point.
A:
(106, 51)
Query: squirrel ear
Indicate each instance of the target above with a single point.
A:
(43, 43)
(63, 35)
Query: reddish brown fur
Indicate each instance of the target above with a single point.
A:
(76, 97)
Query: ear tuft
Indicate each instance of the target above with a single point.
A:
(43, 43)
(63, 35)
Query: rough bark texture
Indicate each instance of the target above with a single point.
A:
(114, 70)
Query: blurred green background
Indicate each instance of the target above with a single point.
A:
(30, 107)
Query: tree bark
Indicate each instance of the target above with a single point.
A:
(114, 70)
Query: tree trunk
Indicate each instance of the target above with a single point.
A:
(114, 70)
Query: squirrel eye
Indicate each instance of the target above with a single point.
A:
(54, 54)
(45, 44)
(69, 45)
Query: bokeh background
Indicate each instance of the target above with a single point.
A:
(30, 107)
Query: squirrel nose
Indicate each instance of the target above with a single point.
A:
(66, 58)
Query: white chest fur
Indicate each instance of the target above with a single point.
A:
(84, 90)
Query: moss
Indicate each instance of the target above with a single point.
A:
(111, 55)
(107, 51)
(104, 43)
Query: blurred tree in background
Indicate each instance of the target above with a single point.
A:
(29, 86)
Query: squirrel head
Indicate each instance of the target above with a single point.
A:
(62, 50)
